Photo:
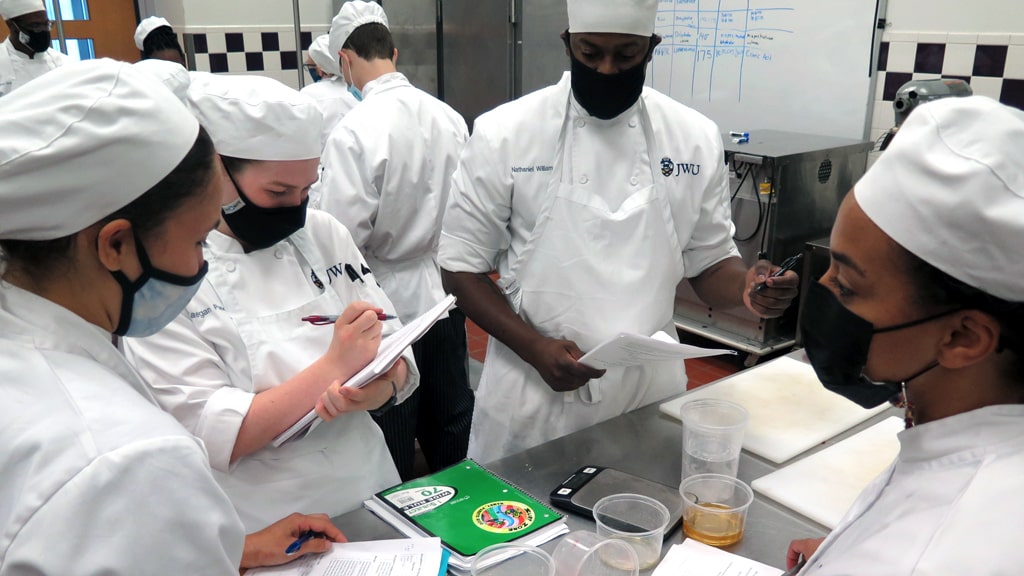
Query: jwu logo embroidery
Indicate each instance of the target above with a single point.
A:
(668, 168)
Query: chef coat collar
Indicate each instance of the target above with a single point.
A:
(960, 434)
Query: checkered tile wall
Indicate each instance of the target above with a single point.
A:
(993, 64)
(266, 51)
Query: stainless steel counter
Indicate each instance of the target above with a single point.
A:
(646, 443)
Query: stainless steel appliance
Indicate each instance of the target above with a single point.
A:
(786, 188)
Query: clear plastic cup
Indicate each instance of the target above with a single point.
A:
(638, 520)
(715, 508)
(512, 560)
(712, 436)
(583, 553)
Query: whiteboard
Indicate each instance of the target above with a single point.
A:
(795, 65)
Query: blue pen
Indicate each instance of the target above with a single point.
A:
(295, 546)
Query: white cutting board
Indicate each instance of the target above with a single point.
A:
(824, 485)
(790, 411)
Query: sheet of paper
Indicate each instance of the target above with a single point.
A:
(691, 558)
(408, 557)
(627, 349)
(390, 351)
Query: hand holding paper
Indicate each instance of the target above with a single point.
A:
(627, 349)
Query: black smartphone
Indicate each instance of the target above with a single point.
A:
(578, 493)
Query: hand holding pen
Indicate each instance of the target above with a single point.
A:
(770, 289)
(357, 336)
(787, 265)
(275, 544)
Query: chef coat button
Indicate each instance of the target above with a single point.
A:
(634, 181)
(231, 266)
(584, 179)
(632, 123)
(279, 254)
(581, 123)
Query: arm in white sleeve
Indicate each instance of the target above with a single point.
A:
(711, 240)
(476, 230)
(190, 380)
(149, 508)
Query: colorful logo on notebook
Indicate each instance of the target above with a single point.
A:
(416, 501)
(503, 517)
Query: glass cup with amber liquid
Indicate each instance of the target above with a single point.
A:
(715, 508)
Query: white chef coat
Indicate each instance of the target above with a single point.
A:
(334, 101)
(17, 69)
(242, 334)
(386, 174)
(96, 478)
(951, 503)
(542, 186)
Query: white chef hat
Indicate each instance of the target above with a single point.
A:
(950, 189)
(619, 16)
(173, 75)
(320, 52)
(13, 8)
(257, 118)
(352, 15)
(147, 26)
(102, 136)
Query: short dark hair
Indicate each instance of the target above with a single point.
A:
(147, 213)
(235, 166)
(371, 42)
(936, 289)
(162, 38)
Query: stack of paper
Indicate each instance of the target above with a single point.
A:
(693, 558)
(390, 351)
(416, 557)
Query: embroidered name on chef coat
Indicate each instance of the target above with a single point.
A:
(542, 168)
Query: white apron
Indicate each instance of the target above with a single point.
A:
(337, 464)
(588, 272)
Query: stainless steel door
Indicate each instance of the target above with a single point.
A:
(413, 25)
(477, 55)
(541, 57)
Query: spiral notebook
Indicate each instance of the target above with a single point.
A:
(469, 508)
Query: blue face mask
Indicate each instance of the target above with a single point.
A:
(355, 93)
(154, 298)
(313, 73)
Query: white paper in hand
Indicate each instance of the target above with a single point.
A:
(390, 351)
(627, 349)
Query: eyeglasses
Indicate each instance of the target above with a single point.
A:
(35, 26)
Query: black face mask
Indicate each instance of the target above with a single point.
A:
(262, 227)
(837, 343)
(605, 96)
(36, 41)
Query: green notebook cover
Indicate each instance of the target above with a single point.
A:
(468, 507)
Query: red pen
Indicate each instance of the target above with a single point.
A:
(325, 320)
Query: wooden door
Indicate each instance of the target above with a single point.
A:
(99, 28)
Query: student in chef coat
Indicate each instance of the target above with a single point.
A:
(26, 53)
(155, 39)
(107, 187)
(592, 199)
(239, 366)
(386, 173)
(925, 294)
(331, 92)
